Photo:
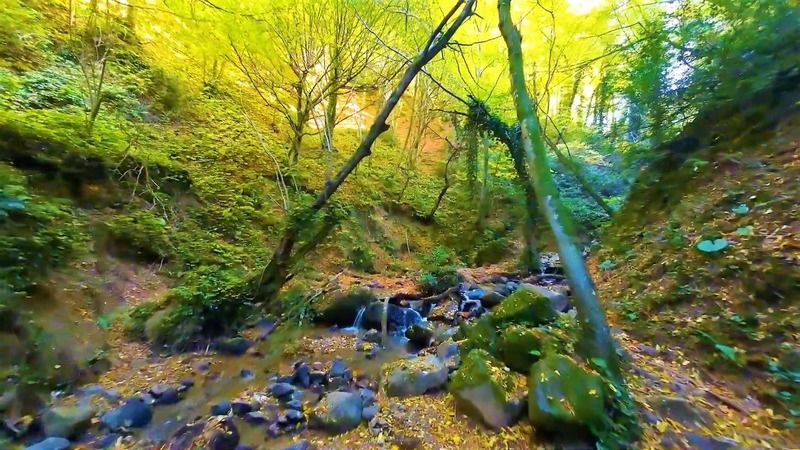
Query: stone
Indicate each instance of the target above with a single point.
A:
(493, 298)
(444, 311)
(51, 443)
(338, 368)
(337, 412)
(301, 375)
(487, 391)
(558, 300)
(222, 432)
(369, 412)
(702, 442)
(341, 308)
(519, 347)
(302, 445)
(420, 334)
(398, 318)
(295, 404)
(247, 374)
(221, 409)
(525, 306)
(17, 427)
(479, 334)
(281, 390)
(475, 294)
(236, 346)
(257, 418)
(680, 410)
(294, 416)
(367, 396)
(67, 421)
(444, 335)
(449, 353)
(169, 397)
(203, 366)
(563, 397)
(241, 407)
(416, 376)
(134, 413)
(372, 335)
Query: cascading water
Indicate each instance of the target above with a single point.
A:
(357, 323)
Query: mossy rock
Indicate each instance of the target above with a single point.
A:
(564, 397)
(479, 334)
(519, 347)
(487, 390)
(340, 308)
(524, 306)
(416, 376)
(165, 326)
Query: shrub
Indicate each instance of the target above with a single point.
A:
(439, 268)
(141, 233)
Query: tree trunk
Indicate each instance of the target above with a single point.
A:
(276, 274)
(595, 341)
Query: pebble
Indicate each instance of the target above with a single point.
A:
(220, 409)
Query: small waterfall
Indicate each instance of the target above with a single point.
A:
(359, 318)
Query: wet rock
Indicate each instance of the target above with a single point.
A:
(17, 427)
(493, 298)
(265, 328)
(646, 350)
(444, 335)
(338, 368)
(337, 412)
(67, 421)
(135, 413)
(369, 412)
(367, 396)
(221, 409)
(302, 445)
(294, 416)
(680, 410)
(479, 334)
(301, 375)
(281, 390)
(519, 347)
(558, 301)
(274, 429)
(702, 442)
(222, 434)
(295, 404)
(398, 318)
(51, 443)
(524, 306)
(203, 366)
(487, 391)
(444, 311)
(372, 335)
(415, 376)
(106, 441)
(475, 294)
(341, 308)
(236, 346)
(241, 407)
(258, 417)
(448, 352)
(317, 377)
(420, 334)
(168, 397)
(95, 389)
(564, 397)
(8, 399)
(247, 374)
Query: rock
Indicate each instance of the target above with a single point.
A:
(479, 334)
(134, 413)
(475, 294)
(444, 311)
(337, 412)
(294, 416)
(369, 412)
(8, 399)
(341, 308)
(680, 410)
(702, 442)
(17, 427)
(444, 335)
(221, 409)
(372, 335)
(493, 298)
(247, 374)
(317, 377)
(51, 443)
(302, 445)
(257, 418)
(367, 396)
(222, 433)
(295, 404)
(241, 407)
(519, 347)
(338, 368)
(558, 300)
(281, 390)
(564, 397)
(486, 390)
(449, 353)
(107, 441)
(524, 306)
(236, 346)
(398, 318)
(169, 396)
(203, 366)
(420, 334)
(67, 421)
(415, 376)
(301, 375)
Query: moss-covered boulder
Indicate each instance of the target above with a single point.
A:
(341, 307)
(337, 412)
(478, 334)
(564, 397)
(519, 347)
(67, 421)
(524, 306)
(487, 390)
(416, 376)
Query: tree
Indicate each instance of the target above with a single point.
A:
(277, 272)
(595, 342)
(95, 44)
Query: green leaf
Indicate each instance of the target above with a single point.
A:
(745, 231)
(712, 246)
(103, 322)
(728, 351)
(608, 264)
(741, 209)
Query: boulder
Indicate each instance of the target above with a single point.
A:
(134, 413)
(281, 390)
(448, 352)
(302, 445)
(558, 300)
(680, 410)
(337, 412)
(372, 335)
(420, 334)
(51, 443)
(221, 409)
(67, 421)
(486, 390)
(703, 442)
(525, 306)
(341, 308)
(479, 334)
(493, 298)
(338, 368)
(564, 397)
(444, 311)
(398, 318)
(235, 346)
(414, 376)
(519, 347)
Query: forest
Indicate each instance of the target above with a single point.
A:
(399, 224)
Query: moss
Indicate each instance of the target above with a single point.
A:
(479, 367)
(519, 347)
(481, 334)
(524, 307)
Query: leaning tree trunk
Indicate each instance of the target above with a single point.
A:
(277, 273)
(595, 341)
